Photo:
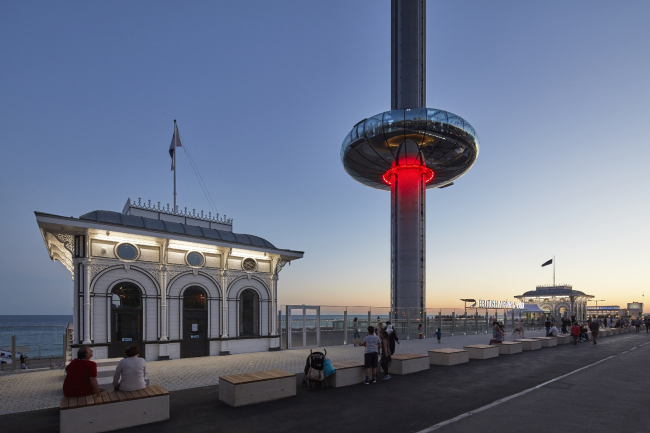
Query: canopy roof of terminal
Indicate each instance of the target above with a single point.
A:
(546, 292)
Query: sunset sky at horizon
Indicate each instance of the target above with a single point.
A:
(264, 94)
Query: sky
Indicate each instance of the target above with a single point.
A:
(264, 94)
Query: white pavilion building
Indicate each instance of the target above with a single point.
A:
(177, 284)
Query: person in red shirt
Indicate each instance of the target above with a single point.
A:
(81, 377)
(575, 332)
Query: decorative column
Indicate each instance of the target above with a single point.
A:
(76, 280)
(274, 304)
(163, 303)
(224, 312)
(86, 283)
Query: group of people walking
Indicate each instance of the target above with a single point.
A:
(380, 341)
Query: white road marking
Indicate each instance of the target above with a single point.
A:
(510, 397)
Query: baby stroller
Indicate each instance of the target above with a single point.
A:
(314, 370)
(584, 336)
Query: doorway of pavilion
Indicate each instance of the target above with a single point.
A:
(126, 319)
(195, 323)
(303, 326)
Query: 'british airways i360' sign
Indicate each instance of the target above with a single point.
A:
(483, 303)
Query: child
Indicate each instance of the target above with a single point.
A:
(372, 353)
(420, 331)
(385, 354)
(438, 335)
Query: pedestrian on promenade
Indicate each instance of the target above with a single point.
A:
(392, 337)
(356, 337)
(385, 355)
(593, 326)
(130, 371)
(438, 335)
(371, 342)
(420, 331)
(81, 377)
(637, 324)
(647, 323)
(609, 322)
(547, 324)
(498, 336)
(575, 333)
(565, 325)
(23, 361)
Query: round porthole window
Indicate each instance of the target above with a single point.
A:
(127, 251)
(194, 259)
(249, 265)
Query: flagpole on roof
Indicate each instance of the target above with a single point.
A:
(553, 255)
(174, 162)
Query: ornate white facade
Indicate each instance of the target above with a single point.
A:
(558, 301)
(175, 283)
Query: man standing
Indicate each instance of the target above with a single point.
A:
(371, 355)
(548, 325)
(593, 327)
(81, 377)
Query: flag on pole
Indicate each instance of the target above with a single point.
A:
(176, 142)
(545, 263)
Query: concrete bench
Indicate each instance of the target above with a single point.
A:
(529, 344)
(482, 351)
(547, 341)
(407, 363)
(347, 373)
(509, 348)
(249, 388)
(448, 356)
(563, 339)
(116, 410)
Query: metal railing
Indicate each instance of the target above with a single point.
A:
(32, 346)
(336, 323)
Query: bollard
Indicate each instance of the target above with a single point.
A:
(345, 327)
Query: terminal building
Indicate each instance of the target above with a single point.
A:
(177, 284)
(634, 310)
(558, 301)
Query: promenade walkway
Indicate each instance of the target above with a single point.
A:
(26, 391)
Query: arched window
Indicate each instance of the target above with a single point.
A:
(249, 302)
(126, 319)
(194, 298)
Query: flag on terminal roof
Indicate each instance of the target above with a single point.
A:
(547, 263)
(176, 142)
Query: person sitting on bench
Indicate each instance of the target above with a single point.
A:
(498, 335)
(131, 370)
(553, 331)
(81, 377)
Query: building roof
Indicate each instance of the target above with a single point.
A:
(109, 220)
(545, 292)
(110, 217)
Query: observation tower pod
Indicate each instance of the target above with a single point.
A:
(408, 150)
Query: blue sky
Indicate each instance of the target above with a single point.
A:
(264, 93)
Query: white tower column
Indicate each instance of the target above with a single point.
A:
(224, 313)
(274, 305)
(163, 303)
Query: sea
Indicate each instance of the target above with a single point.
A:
(36, 335)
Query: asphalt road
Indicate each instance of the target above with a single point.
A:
(607, 396)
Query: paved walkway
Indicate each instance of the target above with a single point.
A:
(27, 391)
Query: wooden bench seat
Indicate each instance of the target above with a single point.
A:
(406, 363)
(448, 356)
(347, 373)
(547, 341)
(529, 343)
(116, 410)
(249, 388)
(482, 351)
(509, 348)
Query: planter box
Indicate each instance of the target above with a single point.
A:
(448, 356)
(510, 348)
(250, 388)
(347, 373)
(529, 344)
(482, 351)
(408, 363)
(547, 341)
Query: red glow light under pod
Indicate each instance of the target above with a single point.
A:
(428, 173)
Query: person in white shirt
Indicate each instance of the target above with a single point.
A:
(553, 331)
(130, 372)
